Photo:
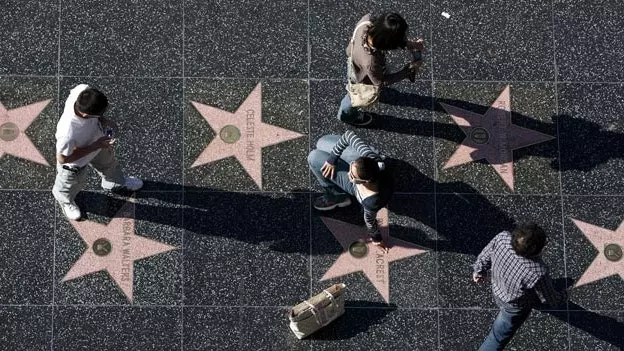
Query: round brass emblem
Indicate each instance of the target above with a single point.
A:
(613, 252)
(230, 134)
(358, 249)
(9, 131)
(479, 136)
(102, 247)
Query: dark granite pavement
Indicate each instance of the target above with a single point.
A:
(243, 253)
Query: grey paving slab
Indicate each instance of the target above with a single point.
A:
(369, 328)
(589, 269)
(263, 250)
(149, 115)
(282, 166)
(493, 40)
(461, 329)
(267, 329)
(596, 331)
(464, 329)
(591, 134)
(157, 279)
(533, 168)
(114, 328)
(588, 27)
(121, 38)
(30, 103)
(30, 41)
(246, 39)
(27, 247)
(332, 24)
(207, 328)
(467, 223)
(26, 327)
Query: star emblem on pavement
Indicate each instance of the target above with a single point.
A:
(241, 134)
(609, 244)
(13, 123)
(114, 247)
(375, 263)
(492, 137)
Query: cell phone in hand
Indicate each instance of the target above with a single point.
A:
(109, 133)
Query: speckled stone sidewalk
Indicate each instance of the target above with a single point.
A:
(219, 104)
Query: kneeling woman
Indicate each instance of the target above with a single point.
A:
(345, 166)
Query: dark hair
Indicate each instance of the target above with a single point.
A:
(388, 31)
(92, 102)
(367, 168)
(528, 239)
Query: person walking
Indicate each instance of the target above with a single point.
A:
(519, 278)
(85, 137)
(372, 38)
(345, 166)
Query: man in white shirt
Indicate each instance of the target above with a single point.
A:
(83, 137)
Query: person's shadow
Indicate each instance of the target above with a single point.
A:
(256, 218)
(264, 219)
(203, 212)
(486, 217)
(599, 326)
(584, 144)
(602, 327)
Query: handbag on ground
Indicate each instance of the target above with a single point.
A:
(314, 313)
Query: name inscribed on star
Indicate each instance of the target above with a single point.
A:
(249, 135)
(126, 258)
(503, 128)
(380, 271)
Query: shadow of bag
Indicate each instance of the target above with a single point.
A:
(318, 311)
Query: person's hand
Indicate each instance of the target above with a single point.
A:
(328, 170)
(418, 44)
(381, 245)
(411, 69)
(478, 278)
(103, 143)
(107, 123)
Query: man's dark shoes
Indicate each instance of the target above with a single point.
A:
(323, 204)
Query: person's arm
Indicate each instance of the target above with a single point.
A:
(69, 153)
(370, 219)
(547, 293)
(484, 262)
(349, 138)
(379, 77)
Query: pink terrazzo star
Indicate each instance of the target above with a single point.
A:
(241, 134)
(13, 123)
(114, 247)
(607, 242)
(492, 137)
(375, 265)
